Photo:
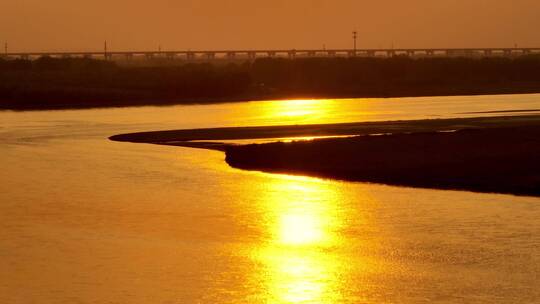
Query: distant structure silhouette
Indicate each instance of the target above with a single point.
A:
(354, 41)
(105, 53)
(235, 55)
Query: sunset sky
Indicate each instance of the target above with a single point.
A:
(32, 25)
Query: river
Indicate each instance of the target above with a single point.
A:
(87, 220)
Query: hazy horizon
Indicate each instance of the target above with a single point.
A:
(59, 25)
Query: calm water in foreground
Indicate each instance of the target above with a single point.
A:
(87, 220)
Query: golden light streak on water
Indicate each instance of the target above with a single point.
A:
(300, 107)
(303, 223)
(302, 111)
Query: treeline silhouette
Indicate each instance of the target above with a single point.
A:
(49, 83)
(72, 83)
(399, 76)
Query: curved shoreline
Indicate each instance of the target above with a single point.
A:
(181, 137)
(487, 154)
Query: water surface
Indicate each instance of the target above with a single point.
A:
(87, 220)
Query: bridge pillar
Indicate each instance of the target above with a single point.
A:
(331, 53)
(410, 53)
(170, 56)
(488, 53)
(231, 55)
(190, 56)
(271, 54)
(149, 56)
(390, 53)
(292, 54)
(210, 56)
(311, 53)
(251, 55)
(430, 53)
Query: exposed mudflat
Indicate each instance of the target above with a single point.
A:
(495, 154)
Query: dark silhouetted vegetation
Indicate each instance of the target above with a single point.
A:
(49, 83)
(398, 76)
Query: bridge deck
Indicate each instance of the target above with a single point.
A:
(252, 54)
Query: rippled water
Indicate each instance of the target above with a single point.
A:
(87, 220)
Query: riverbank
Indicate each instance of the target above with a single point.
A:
(49, 83)
(492, 154)
(498, 160)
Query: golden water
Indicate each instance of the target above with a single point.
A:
(87, 220)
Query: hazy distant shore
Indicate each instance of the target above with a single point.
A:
(50, 83)
(136, 101)
(495, 154)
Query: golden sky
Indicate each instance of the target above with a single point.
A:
(255, 24)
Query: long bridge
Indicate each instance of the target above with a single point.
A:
(291, 53)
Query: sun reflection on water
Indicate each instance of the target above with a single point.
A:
(303, 222)
(299, 111)
(300, 229)
(301, 107)
(307, 111)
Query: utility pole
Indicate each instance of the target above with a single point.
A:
(105, 50)
(354, 35)
(6, 49)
